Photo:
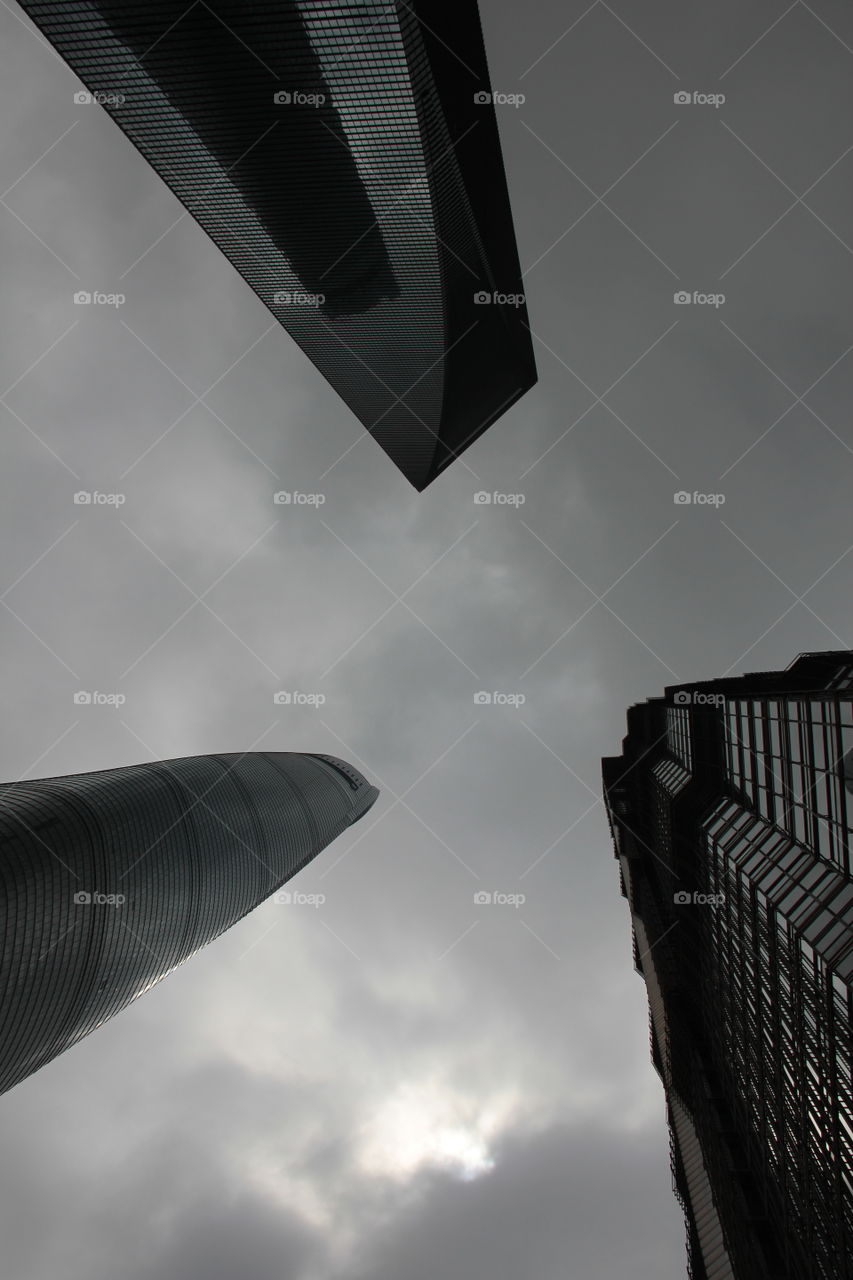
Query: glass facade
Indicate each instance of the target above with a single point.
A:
(732, 821)
(786, 757)
(110, 880)
(346, 160)
(780, 968)
(678, 735)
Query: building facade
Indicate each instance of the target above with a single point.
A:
(109, 880)
(346, 160)
(731, 811)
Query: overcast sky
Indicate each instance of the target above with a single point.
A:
(400, 1083)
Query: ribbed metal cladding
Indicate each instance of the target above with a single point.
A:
(716, 1263)
(736, 790)
(375, 183)
(109, 880)
(690, 1174)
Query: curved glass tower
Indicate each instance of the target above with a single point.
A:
(109, 880)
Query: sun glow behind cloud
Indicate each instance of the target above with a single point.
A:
(425, 1124)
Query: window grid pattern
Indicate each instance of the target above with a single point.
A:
(779, 969)
(671, 776)
(789, 759)
(678, 731)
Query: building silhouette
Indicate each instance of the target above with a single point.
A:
(731, 810)
(109, 880)
(346, 159)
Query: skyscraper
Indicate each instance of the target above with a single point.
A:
(731, 811)
(346, 160)
(109, 880)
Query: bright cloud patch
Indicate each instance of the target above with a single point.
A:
(424, 1125)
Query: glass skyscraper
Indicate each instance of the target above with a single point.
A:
(109, 880)
(731, 809)
(346, 160)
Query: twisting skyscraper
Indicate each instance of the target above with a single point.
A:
(731, 810)
(109, 880)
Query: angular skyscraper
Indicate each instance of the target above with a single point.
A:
(110, 880)
(346, 159)
(731, 809)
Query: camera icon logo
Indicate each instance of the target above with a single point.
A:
(283, 897)
(482, 898)
(283, 698)
(82, 898)
(681, 898)
(682, 698)
(681, 298)
(482, 698)
(482, 98)
(82, 96)
(482, 498)
(282, 499)
(482, 298)
(682, 498)
(82, 698)
(681, 98)
(82, 498)
(283, 97)
(82, 297)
